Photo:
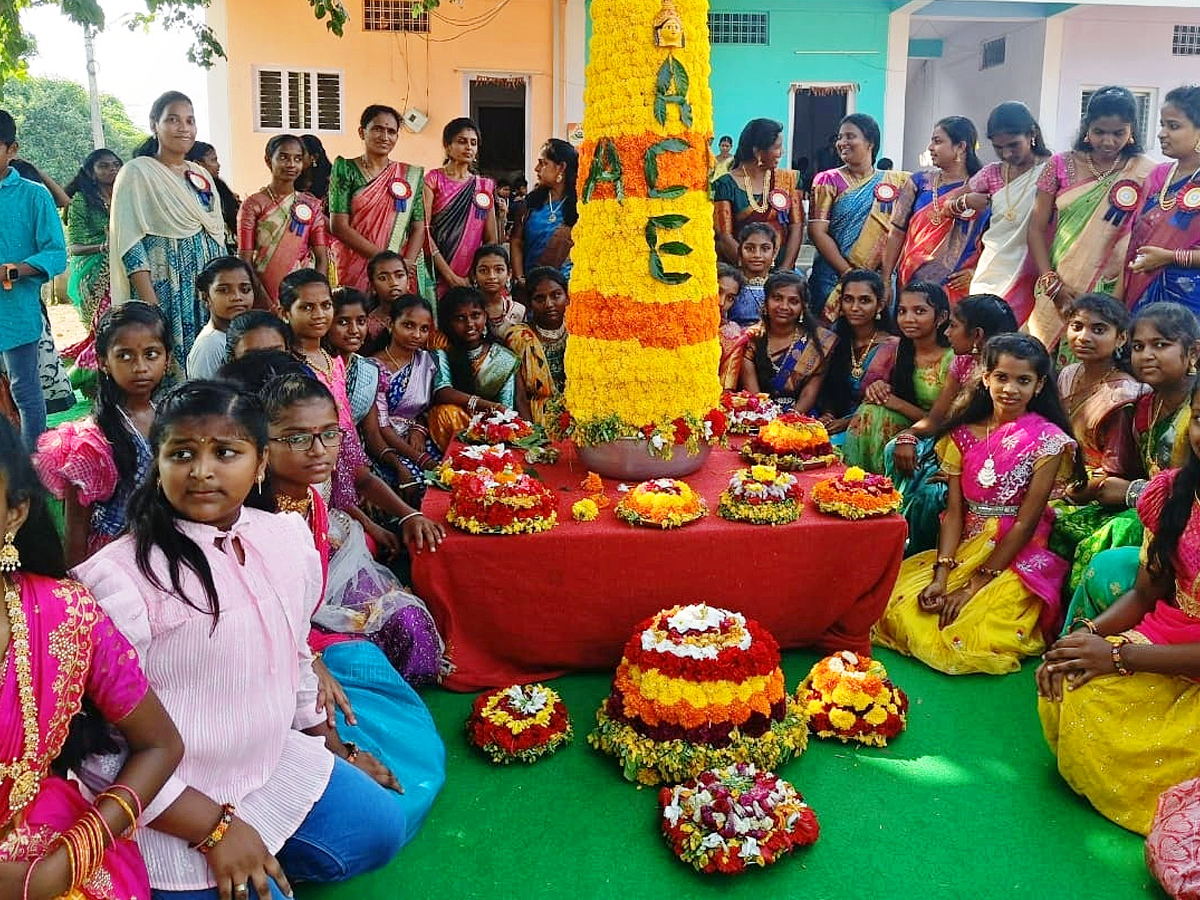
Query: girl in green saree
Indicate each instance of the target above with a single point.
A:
(474, 373)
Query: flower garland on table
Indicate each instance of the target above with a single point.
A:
(727, 820)
(857, 494)
(473, 457)
(791, 441)
(521, 723)
(698, 687)
(662, 502)
(505, 502)
(497, 427)
(850, 697)
(644, 318)
(762, 495)
(748, 411)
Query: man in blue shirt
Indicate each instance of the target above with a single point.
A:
(33, 250)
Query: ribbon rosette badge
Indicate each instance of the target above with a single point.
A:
(1122, 199)
(402, 193)
(1189, 201)
(483, 202)
(779, 200)
(302, 215)
(886, 193)
(201, 185)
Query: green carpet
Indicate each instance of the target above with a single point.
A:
(967, 803)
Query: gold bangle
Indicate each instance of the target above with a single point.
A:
(948, 561)
(990, 573)
(128, 810)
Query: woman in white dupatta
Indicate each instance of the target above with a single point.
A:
(1010, 186)
(166, 224)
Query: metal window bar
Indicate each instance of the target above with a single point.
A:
(395, 15)
(738, 28)
(1186, 40)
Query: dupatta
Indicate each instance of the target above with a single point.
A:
(1177, 228)
(1089, 415)
(381, 212)
(72, 649)
(148, 198)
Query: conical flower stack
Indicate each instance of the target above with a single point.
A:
(644, 311)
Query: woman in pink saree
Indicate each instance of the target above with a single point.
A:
(377, 204)
(461, 207)
(61, 655)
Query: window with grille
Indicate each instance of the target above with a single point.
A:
(1186, 40)
(738, 27)
(993, 53)
(1145, 111)
(395, 15)
(299, 100)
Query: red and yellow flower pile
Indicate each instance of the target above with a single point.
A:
(497, 427)
(850, 697)
(663, 502)
(790, 441)
(521, 723)
(473, 457)
(644, 312)
(762, 495)
(506, 502)
(748, 411)
(727, 820)
(698, 687)
(857, 494)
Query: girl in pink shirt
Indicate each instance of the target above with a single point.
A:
(215, 598)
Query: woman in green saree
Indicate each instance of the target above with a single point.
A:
(87, 239)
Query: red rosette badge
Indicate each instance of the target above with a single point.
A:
(779, 200)
(302, 216)
(483, 203)
(201, 185)
(401, 192)
(1122, 200)
(885, 196)
(1189, 200)
(521, 723)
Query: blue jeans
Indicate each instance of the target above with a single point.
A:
(21, 363)
(354, 828)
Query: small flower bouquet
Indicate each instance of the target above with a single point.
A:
(503, 426)
(791, 441)
(857, 494)
(662, 503)
(506, 502)
(521, 723)
(850, 697)
(473, 457)
(727, 820)
(762, 495)
(748, 411)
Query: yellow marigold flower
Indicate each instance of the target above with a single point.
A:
(876, 716)
(854, 473)
(840, 718)
(585, 510)
(763, 473)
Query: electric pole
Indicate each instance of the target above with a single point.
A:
(89, 33)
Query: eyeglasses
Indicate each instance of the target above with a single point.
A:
(330, 439)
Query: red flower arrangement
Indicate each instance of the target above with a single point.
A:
(726, 820)
(791, 442)
(850, 697)
(504, 502)
(497, 427)
(857, 494)
(521, 723)
(473, 457)
(748, 411)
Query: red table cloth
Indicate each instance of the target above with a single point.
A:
(522, 608)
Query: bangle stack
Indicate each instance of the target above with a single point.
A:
(990, 573)
(126, 808)
(1134, 491)
(906, 439)
(473, 404)
(1085, 622)
(85, 844)
(1119, 641)
(1050, 284)
(945, 562)
(426, 461)
(218, 833)
(1185, 259)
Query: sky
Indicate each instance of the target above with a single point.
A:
(134, 66)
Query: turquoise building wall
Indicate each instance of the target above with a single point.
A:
(753, 80)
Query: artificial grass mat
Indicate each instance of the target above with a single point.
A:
(967, 803)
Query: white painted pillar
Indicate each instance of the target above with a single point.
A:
(1048, 100)
(895, 83)
(218, 129)
(575, 53)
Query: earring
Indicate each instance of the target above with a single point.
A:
(10, 559)
(1191, 370)
(260, 482)
(974, 349)
(878, 314)
(558, 180)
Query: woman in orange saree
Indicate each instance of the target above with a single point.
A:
(377, 204)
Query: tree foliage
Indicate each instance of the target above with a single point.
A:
(54, 124)
(184, 15)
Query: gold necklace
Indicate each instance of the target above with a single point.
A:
(1096, 172)
(551, 337)
(935, 213)
(854, 182)
(1010, 214)
(387, 351)
(1169, 204)
(26, 779)
(327, 369)
(287, 504)
(749, 189)
(857, 367)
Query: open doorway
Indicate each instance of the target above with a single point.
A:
(498, 105)
(816, 110)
